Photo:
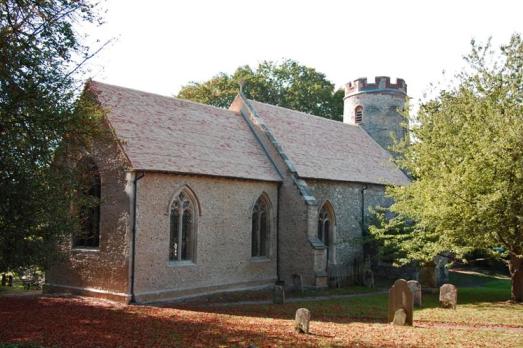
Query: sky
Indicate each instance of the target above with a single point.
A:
(160, 46)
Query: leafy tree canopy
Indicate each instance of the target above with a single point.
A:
(40, 56)
(467, 165)
(286, 84)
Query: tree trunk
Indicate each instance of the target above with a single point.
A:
(516, 273)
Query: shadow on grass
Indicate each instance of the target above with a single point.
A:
(74, 322)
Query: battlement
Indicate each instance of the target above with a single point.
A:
(381, 84)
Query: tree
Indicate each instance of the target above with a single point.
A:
(286, 84)
(40, 57)
(466, 161)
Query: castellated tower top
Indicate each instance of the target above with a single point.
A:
(377, 108)
(382, 84)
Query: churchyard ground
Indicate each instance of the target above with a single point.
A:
(483, 318)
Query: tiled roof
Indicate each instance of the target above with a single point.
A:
(167, 134)
(327, 149)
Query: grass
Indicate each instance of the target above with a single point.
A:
(17, 288)
(482, 301)
(483, 319)
(333, 291)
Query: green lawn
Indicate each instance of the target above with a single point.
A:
(481, 299)
(17, 288)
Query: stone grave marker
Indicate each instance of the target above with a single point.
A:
(415, 288)
(301, 321)
(4, 279)
(400, 297)
(10, 281)
(278, 294)
(448, 296)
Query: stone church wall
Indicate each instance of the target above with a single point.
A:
(223, 248)
(104, 271)
(346, 200)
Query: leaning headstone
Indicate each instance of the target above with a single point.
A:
(4, 279)
(400, 317)
(415, 288)
(400, 297)
(278, 294)
(10, 281)
(448, 296)
(301, 321)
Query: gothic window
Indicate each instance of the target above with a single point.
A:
(182, 234)
(260, 228)
(89, 210)
(325, 223)
(358, 114)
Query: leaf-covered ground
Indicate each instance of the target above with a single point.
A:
(483, 319)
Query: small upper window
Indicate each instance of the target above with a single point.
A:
(182, 234)
(89, 212)
(358, 112)
(260, 228)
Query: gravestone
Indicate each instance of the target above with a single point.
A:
(10, 281)
(297, 282)
(415, 288)
(427, 276)
(448, 296)
(278, 294)
(440, 269)
(400, 317)
(400, 297)
(4, 279)
(301, 321)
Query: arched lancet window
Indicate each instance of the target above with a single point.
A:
(183, 228)
(326, 223)
(89, 211)
(358, 114)
(260, 227)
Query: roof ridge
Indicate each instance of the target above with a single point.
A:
(306, 114)
(163, 96)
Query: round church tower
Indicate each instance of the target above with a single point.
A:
(376, 108)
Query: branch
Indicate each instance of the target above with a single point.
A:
(87, 58)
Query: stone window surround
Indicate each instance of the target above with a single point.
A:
(270, 224)
(331, 247)
(184, 188)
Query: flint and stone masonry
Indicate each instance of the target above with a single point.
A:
(318, 178)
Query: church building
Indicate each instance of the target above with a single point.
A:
(195, 199)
